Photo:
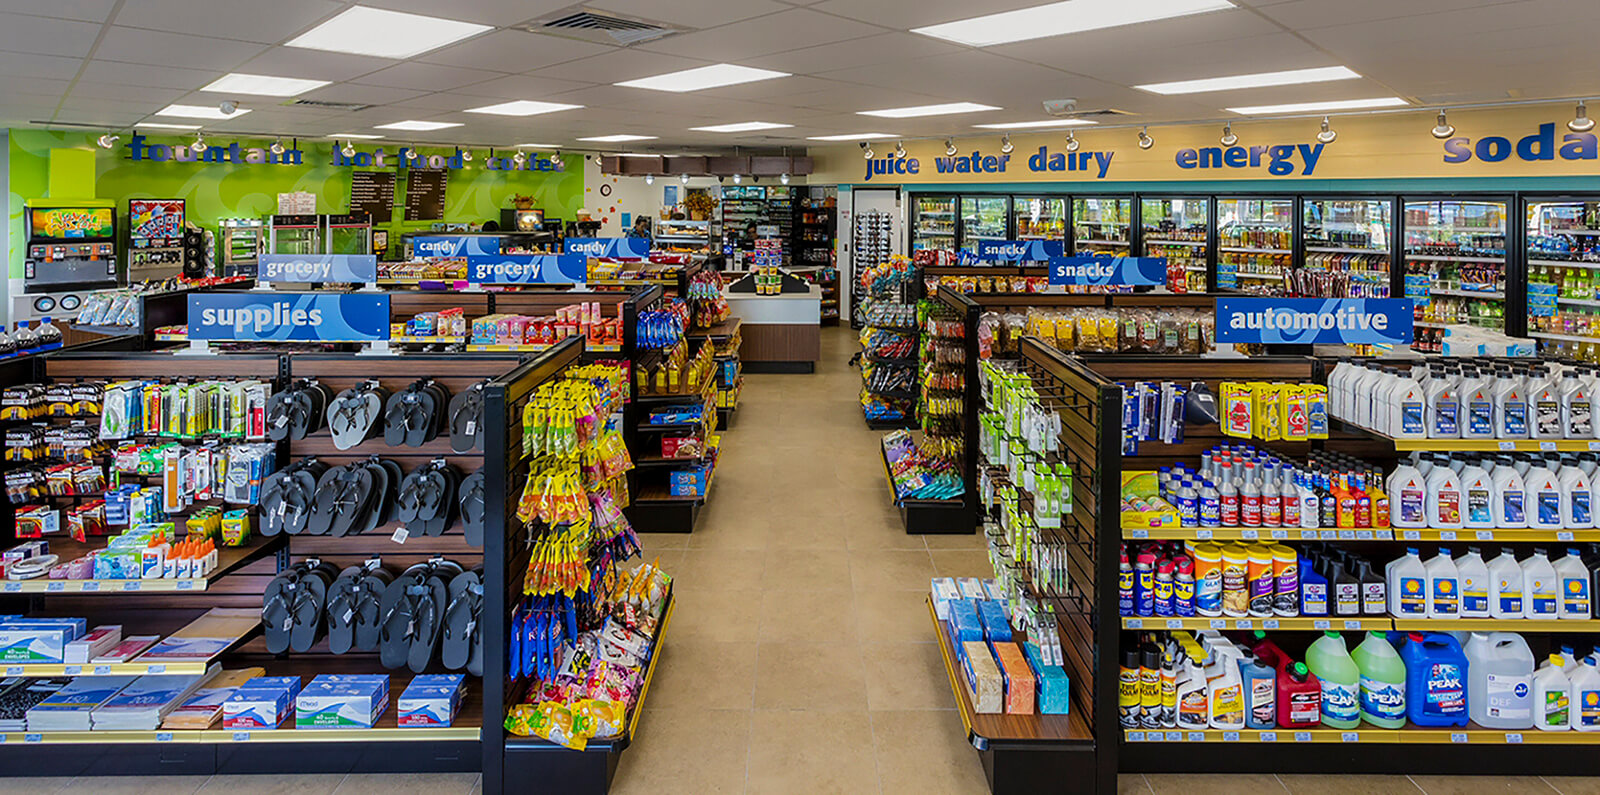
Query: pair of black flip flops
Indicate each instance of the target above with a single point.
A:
(415, 415)
(292, 605)
(354, 607)
(358, 497)
(426, 502)
(466, 419)
(298, 411)
(432, 608)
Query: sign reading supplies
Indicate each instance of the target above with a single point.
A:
(528, 269)
(1319, 321)
(609, 247)
(288, 317)
(1109, 271)
(1020, 250)
(318, 268)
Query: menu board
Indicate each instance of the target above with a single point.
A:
(425, 195)
(372, 193)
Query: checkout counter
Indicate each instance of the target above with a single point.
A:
(781, 332)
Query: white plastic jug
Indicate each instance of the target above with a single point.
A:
(1510, 495)
(1500, 681)
(1540, 586)
(1574, 580)
(1585, 695)
(1408, 497)
(1444, 586)
(1406, 579)
(1474, 575)
(1507, 598)
(1552, 696)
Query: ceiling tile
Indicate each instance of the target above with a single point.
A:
(628, 64)
(21, 33)
(427, 77)
(50, 67)
(366, 95)
(122, 74)
(313, 64)
(523, 87)
(82, 10)
(137, 46)
(900, 15)
(763, 35)
(268, 23)
(881, 48)
(696, 14)
(514, 51)
(500, 13)
(1308, 14)
(150, 96)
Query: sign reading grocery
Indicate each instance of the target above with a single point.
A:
(1020, 250)
(288, 317)
(1109, 271)
(1314, 321)
(317, 268)
(527, 268)
(612, 247)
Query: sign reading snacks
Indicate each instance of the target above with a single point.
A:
(1109, 271)
(288, 317)
(527, 269)
(1020, 250)
(318, 268)
(611, 247)
(1320, 321)
(455, 245)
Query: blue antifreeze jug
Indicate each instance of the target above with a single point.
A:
(1436, 679)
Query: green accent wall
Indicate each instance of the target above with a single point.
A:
(228, 190)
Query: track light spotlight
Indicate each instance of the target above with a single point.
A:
(1444, 129)
(276, 147)
(555, 159)
(348, 150)
(1145, 141)
(900, 149)
(1327, 135)
(735, 179)
(1005, 144)
(108, 140)
(950, 147)
(684, 179)
(866, 150)
(1228, 138)
(1581, 122)
(784, 178)
(466, 155)
(649, 179)
(519, 158)
(199, 146)
(1072, 142)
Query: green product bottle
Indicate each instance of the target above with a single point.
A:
(1328, 658)
(1383, 682)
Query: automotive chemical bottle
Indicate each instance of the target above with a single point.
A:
(1374, 591)
(1552, 696)
(1577, 405)
(1144, 583)
(1383, 682)
(1577, 497)
(1164, 587)
(1585, 682)
(1511, 494)
(1444, 405)
(1150, 687)
(1188, 504)
(1228, 501)
(1337, 381)
(1444, 586)
(1573, 579)
(1249, 498)
(1313, 590)
(1183, 588)
(1310, 503)
(1299, 697)
(1407, 581)
(1544, 401)
(1380, 500)
(1328, 658)
(1268, 652)
(1541, 587)
(1210, 505)
(1235, 581)
(1477, 396)
(1169, 686)
(1477, 493)
(1408, 497)
(1346, 590)
(1289, 498)
(1125, 580)
(1408, 409)
(1499, 681)
(1128, 703)
(1444, 497)
(1271, 501)
(1506, 596)
(1474, 576)
(1436, 679)
(1260, 693)
(1194, 712)
(1207, 579)
(1510, 406)
(1544, 497)
(1225, 694)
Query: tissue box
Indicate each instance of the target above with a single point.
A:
(342, 702)
(965, 624)
(944, 592)
(1055, 692)
(984, 683)
(1019, 678)
(261, 703)
(996, 627)
(431, 700)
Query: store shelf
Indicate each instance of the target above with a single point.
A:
(1577, 301)
(1252, 275)
(1510, 534)
(228, 560)
(1493, 296)
(1248, 250)
(130, 667)
(536, 348)
(1342, 250)
(723, 330)
(1102, 242)
(1450, 258)
(1470, 734)
(1495, 625)
(1544, 335)
(1565, 263)
(1164, 242)
(1267, 622)
(427, 340)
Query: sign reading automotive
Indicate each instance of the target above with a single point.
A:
(317, 268)
(528, 268)
(288, 317)
(612, 247)
(454, 245)
(1308, 321)
(1020, 250)
(1109, 271)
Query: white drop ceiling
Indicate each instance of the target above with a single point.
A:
(113, 63)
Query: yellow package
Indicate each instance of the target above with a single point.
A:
(1237, 409)
(1295, 423)
(1064, 336)
(1267, 412)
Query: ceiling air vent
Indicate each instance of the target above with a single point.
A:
(604, 27)
(1098, 113)
(317, 103)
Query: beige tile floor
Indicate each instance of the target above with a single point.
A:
(800, 657)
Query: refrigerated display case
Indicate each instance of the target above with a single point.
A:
(1101, 226)
(1255, 244)
(1347, 248)
(1564, 277)
(1455, 254)
(984, 218)
(1178, 229)
(933, 223)
(1039, 217)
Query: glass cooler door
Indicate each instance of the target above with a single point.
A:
(1039, 218)
(933, 223)
(1255, 244)
(1178, 229)
(983, 218)
(1564, 278)
(1100, 226)
(1456, 263)
(1347, 248)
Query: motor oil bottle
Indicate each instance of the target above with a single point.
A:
(1374, 591)
(1510, 504)
(1444, 586)
(1478, 414)
(1260, 693)
(1383, 682)
(1577, 497)
(1408, 494)
(1477, 497)
(1574, 580)
(1544, 497)
(1436, 679)
(1346, 590)
(1541, 587)
(1407, 409)
(1544, 404)
(1510, 406)
(1577, 406)
(1128, 702)
(1552, 696)
(1194, 711)
(1499, 681)
(1444, 497)
(1584, 679)
(1313, 590)
(1474, 577)
(1328, 658)
(1507, 598)
(1407, 582)
(1444, 405)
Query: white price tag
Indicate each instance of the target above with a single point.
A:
(1197, 737)
(1219, 623)
(1141, 533)
(185, 585)
(132, 585)
(13, 586)
(1411, 535)
(91, 585)
(1329, 535)
(1594, 445)
(1308, 535)
(1458, 737)
(1230, 737)
(1485, 535)
(55, 586)
(1133, 623)
(1280, 534)
(1202, 534)
(1302, 737)
(72, 670)
(400, 535)
(1322, 623)
(241, 737)
(1447, 535)
(1347, 535)
(1271, 623)
(1508, 445)
(102, 670)
(14, 670)
(1514, 738)
(1173, 737)
(163, 737)
(33, 738)
(1244, 623)
(1564, 535)
(1363, 535)
(1349, 737)
(1135, 737)
(1385, 535)
(1174, 623)
(1352, 623)
(1269, 737)
(155, 669)
(1548, 447)
(1249, 535)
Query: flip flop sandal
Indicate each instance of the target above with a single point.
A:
(299, 497)
(409, 414)
(391, 501)
(475, 657)
(368, 593)
(398, 616)
(441, 411)
(437, 519)
(307, 607)
(353, 414)
(343, 495)
(378, 495)
(319, 395)
(280, 410)
(466, 419)
(283, 499)
(470, 503)
(461, 620)
(325, 501)
(276, 617)
(430, 619)
(272, 507)
(342, 610)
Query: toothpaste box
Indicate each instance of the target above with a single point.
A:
(261, 703)
(431, 700)
(342, 702)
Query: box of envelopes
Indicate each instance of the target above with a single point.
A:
(38, 640)
(261, 703)
(342, 701)
(431, 700)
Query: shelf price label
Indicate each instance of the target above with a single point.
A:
(102, 670)
(33, 737)
(1141, 533)
(1548, 447)
(1385, 535)
(1271, 623)
(1269, 737)
(1308, 535)
(1134, 623)
(72, 670)
(1135, 737)
(131, 585)
(1508, 446)
(1411, 535)
(55, 586)
(1280, 535)
(1514, 738)
(1197, 737)
(1363, 535)
(156, 669)
(1302, 737)
(1485, 535)
(91, 585)
(163, 737)
(12, 587)
(1249, 535)
(1352, 623)
(1174, 623)
(14, 670)
(1458, 737)
(1230, 737)
(1244, 623)
(185, 585)
(1219, 623)
(1594, 445)
(1203, 535)
(1564, 535)
(1447, 535)
(1349, 737)
(1322, 623)
(241, 737)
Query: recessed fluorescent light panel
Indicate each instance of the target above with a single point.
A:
(743, 126)
(385, 34)
(617, 139)
(199, 112)
(356, 136)
(1288, 78)
(418, 126)
(1056, 19)
(158, 126)
(927, 110)
(714, 76)
(523, 107)
(1034, 125)
(262, 85)
(1319, 107)
(538, 146)
(873, 136)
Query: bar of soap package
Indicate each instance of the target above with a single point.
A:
(1055, 692)
(1019, 678)
(984, 683)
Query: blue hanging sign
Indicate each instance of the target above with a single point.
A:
(528, 269)
(454, 245)
(1020, 250)
(1321, 321)
(288, 317)
(317, 268)
(1109, 271)
(613, 247)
